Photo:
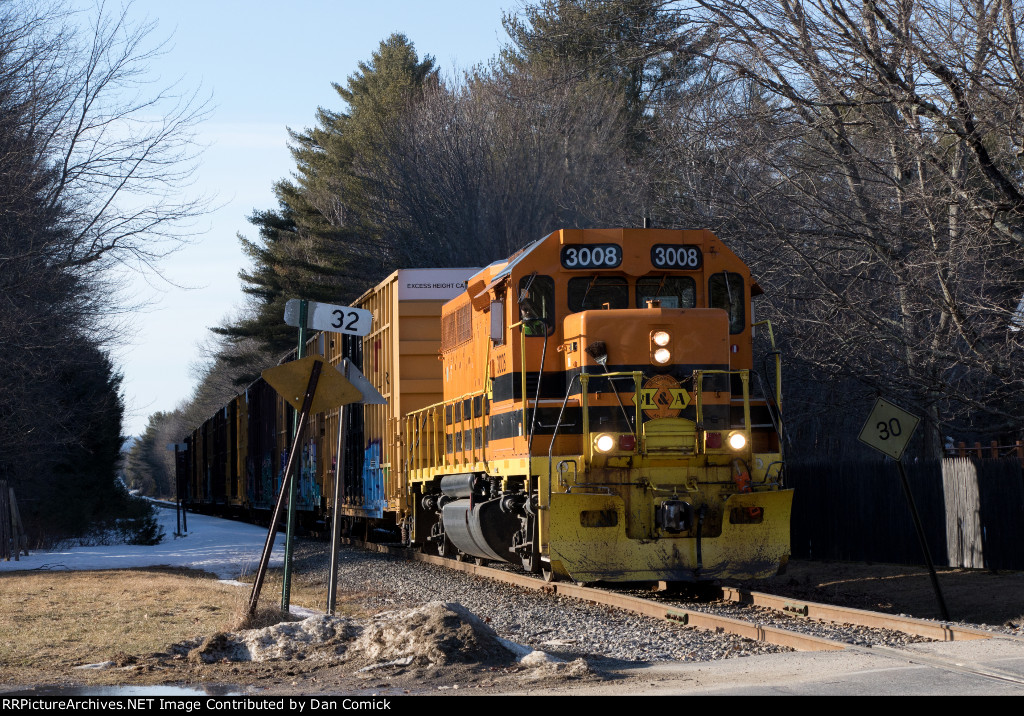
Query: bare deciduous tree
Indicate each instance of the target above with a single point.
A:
(93, 163)
(870, 154)
(478, 170)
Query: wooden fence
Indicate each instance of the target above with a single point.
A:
(12, 535)
(972, 511)
(993, 449)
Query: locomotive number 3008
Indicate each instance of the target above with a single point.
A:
(677, 257)
(594, 256)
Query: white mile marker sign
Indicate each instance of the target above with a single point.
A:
(328, 317)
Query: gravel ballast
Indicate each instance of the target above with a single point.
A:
(564, 627)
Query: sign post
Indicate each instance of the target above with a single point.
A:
(309, 389)
(370, 397)
(268, 546)
(339, 472)
(294, 491)
(177, 487)
(888, 429)
(305, 315)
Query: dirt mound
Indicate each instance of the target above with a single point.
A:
(436, 634)
(319, 637)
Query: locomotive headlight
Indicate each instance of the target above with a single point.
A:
(662, 356)
(660, 338)
(604, 442)
(737, 441)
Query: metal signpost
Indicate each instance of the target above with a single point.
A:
(310, 389)
(178, 511)
(888, 430)
(305, 315)
(370, 397)
(293, 494)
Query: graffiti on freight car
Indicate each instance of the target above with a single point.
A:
(373, 479)
(266, 477)
(309, 490)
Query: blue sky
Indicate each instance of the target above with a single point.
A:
(267, 66)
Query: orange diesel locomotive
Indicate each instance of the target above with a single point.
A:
(586, 408)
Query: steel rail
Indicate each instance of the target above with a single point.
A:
(938, 631)
(747, 629)
(638, 605)
(751, 630)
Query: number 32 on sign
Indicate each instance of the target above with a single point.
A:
(888, 429)
(328, 317)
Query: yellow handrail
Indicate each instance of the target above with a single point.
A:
(637, 377)
(778, 374)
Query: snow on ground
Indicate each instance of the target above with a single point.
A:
(223, 547)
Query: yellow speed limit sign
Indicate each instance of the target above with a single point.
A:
(888, 429)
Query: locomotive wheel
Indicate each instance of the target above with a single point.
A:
(445, 548)
(554, 572)
(530, 562)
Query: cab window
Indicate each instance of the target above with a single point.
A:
(672, 291)
(590, 293)
(726, 291)
(537, 303)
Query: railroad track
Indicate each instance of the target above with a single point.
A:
(797, 610)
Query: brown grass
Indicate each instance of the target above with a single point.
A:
(58, 620)
(51, 622)
(63, 619)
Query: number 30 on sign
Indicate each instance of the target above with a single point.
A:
(888, 429)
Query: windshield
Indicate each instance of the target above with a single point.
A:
(672, 291)
(589, 293)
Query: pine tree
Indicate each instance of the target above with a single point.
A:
(318, 244)
(638, 46)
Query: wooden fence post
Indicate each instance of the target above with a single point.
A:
(964, 543)
(17, 529)
(5, 524)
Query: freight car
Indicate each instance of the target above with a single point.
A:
(587, 409)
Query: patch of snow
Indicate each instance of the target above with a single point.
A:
(299, 611)
(223, 547)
